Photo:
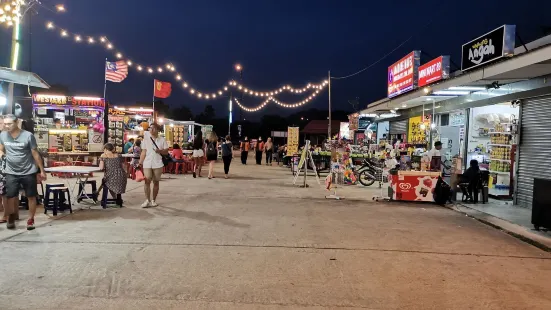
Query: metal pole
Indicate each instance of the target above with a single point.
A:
(105, 82)
(154, 118)
(230, 114)
(329, 127)
(13, 62)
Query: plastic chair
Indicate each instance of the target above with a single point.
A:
(59, 197)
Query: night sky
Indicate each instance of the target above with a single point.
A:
(278, 42)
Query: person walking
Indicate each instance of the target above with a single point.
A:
(198, 154)
(115, 177)
(269, 149)
(212, 152)
(245, 146)
(23, 162)
(227, 154)
(259, 147)
(151, 160)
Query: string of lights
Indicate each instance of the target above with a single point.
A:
(282, 104)
(185, 84)
(262, 105)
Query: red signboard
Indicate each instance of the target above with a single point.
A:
(413, 188)
(433, 71)
(402, 75)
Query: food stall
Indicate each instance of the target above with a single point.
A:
(69, 128)
(179, 132)
(127, 123)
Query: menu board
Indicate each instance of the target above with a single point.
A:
(292, 140)
(116, 133)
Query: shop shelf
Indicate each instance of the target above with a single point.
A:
(503, 160)
(500, 133)
(504, 145)
(500, 172)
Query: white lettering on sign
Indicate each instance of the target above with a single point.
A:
(481, 49)
(430, 70)
(403, 68)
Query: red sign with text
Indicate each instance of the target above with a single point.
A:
(430, 72)
(402, 75)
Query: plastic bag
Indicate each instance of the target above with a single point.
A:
(139, 175)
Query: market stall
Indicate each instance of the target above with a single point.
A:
(127, 123)
(69, 128)
(181, 132)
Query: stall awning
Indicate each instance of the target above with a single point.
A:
(22, 78)
(319, 127)
(525, 65)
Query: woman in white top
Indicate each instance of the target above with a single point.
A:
(198, 154)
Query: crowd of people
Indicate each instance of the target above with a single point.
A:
(22, 166)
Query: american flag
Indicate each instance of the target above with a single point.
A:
(116, 71)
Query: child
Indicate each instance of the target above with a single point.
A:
(114, 179)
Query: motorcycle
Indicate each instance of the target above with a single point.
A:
(368, 173)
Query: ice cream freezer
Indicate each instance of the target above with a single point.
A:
(414, 185)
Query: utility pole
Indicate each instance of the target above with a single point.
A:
(329, 127)
(14, 59)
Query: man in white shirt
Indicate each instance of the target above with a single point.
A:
(151, 161)
(436, 151)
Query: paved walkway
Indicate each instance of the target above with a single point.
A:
(257, 242)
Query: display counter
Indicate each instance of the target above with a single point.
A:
(413, 185)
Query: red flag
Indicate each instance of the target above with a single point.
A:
(161, 89)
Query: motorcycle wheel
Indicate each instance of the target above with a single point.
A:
(366, 179)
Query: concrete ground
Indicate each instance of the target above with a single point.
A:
(255, 241)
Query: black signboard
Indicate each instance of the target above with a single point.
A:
(492, 46)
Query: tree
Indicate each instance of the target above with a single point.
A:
(161, 108)
(207, 116)
(181, 113)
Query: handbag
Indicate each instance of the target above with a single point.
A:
(166, 158)
(139, 175)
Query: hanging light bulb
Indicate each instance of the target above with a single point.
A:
(119, 55)
(149, 70)
(103, 39)
(109, 46)
(140, 68)
(129, 63)
(91, 40)
(185, 85)
(64, 33)
(50, 25)
(178, 77)
(160, 69)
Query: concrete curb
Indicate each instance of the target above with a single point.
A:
(517, 231)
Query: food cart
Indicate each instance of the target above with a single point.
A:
(69, 128)
(127, 123)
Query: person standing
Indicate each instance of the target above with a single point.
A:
(259, 147)
(151, 160)
(128, 145)
(23, 162)
(212, 152)
(198, 154)
(269, 149)
(227, 155)
(245, 146)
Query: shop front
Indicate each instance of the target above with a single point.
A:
(69, 128)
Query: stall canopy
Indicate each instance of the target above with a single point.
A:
(22, 77)
(319, 127)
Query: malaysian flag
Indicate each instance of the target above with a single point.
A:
(116, 71)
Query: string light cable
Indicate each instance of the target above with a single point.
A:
(384, 56)
(170, 68)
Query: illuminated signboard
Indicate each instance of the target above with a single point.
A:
(402, 76)
(39, 99)
(492, 46)
(434, 70)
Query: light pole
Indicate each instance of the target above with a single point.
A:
(10, 14)
(239, 69)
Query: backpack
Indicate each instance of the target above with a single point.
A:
(211, 149)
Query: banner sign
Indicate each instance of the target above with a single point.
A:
(434, 70)
(292, 140)
(490, 47)
(457, 118)
(402, 76)
(68, 100)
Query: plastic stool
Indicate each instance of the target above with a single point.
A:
(82, 191)
(47, 201)
(59, 194)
